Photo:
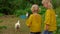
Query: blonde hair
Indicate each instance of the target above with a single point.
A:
(33, 7)
(43, 1)
(50, 5)
(48, 2)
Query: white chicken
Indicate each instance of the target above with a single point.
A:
(17, 26)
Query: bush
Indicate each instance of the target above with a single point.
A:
(42, 10)
(56, 3)
(58, 11)
(20, 12)
(28, 10)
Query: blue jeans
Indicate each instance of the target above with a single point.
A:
(48, 32)
(35, 32)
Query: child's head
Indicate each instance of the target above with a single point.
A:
(47, 3)
(43, 1)
(35, 8)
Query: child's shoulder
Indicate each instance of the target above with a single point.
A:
(50, 9)
(35, 15)
(31, 15)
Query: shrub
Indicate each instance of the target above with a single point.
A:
(42, 10)
(58, 11)
(28, 10)
(20, 12)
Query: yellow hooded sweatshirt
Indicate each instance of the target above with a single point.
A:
(50, 19)
(34, 23)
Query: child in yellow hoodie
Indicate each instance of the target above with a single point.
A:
(34, 21)
(50, 18)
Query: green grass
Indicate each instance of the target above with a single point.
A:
(1, 21)
(3, 27)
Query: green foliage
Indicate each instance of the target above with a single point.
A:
(20, 12)
(42, 10)
(18, 7)
(58, 11)
(58, 21)
(28, 10)
(9, 6)
(1, 14)
(56, 3)
(35, 1)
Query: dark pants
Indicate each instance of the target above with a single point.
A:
(35, 32)
(48, 32)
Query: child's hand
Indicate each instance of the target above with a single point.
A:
(47, 27)
(29, 26)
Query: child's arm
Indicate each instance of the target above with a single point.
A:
(47, 20)
(47, 26)
(29, 21)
